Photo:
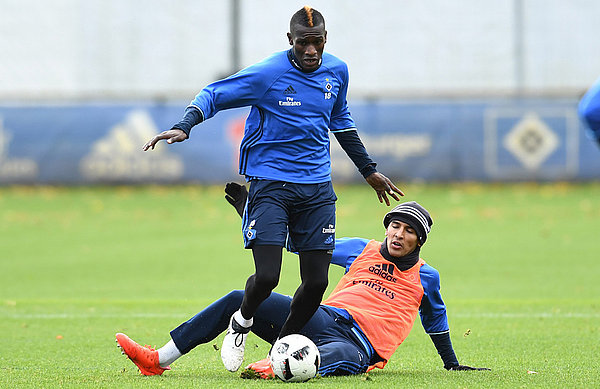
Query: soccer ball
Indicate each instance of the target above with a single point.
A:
(295, 358)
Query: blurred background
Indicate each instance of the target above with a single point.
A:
(441, 91)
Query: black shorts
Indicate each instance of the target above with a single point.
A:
(298, 216)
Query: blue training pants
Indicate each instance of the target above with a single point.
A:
(342, 352)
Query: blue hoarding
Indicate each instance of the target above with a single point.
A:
(433, 140)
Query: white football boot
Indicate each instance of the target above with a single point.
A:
(234, 343)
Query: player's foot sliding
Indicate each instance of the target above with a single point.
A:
(260, 370)
(145, 358)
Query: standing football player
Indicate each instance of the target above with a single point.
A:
(589, 110)
(296, 96)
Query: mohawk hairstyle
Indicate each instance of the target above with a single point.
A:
(307, 17)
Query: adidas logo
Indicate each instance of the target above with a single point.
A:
(115, 156)
(289, 90)
(387, 267)
(384, 270)
(14, 168)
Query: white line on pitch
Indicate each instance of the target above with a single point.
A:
(533, 315)
(484, 315)
(94, 315)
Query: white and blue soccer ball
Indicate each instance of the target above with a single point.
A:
(295, 358)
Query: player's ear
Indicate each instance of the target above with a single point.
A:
(325, 37)
(289, 35)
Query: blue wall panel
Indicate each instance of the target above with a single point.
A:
(432, 140)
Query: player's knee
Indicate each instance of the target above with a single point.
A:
(234, 298)
(266, 281)
(316, 286)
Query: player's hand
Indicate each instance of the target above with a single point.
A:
(465, 367)
(173, 135)
(236, 195)
(383, 186)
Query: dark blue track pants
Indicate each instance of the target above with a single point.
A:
(340, 349)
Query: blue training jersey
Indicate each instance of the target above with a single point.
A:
(286, 137)
(432, 309)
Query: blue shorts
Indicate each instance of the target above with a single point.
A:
(299, 216)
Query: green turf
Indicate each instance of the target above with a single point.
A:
(518, 263)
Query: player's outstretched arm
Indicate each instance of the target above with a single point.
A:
(353, 146)
(443, 344)
(383, 186)
(171, 136)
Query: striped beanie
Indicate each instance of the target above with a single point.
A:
(414, 215)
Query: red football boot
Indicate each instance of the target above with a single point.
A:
(261, 369)
(145, 358)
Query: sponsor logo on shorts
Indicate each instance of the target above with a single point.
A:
(329, 230)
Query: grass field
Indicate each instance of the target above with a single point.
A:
(519, 267)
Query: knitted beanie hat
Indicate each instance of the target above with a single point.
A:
(414, 215)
